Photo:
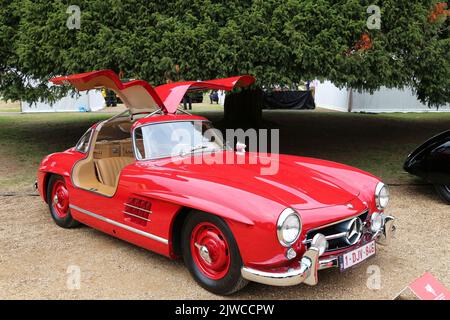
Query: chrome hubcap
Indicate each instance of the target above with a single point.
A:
(204, 252)
(55, 199)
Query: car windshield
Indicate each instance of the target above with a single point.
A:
(180, 138)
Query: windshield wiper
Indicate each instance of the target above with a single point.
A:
(200, 147)
(193, 149)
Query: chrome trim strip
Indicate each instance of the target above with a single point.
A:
(122, 114)
(121, 225)
(136, 216)
(184, 111)
(336, 236)
(153, 113)
(89, 143)
(137, 208)
(330, 237)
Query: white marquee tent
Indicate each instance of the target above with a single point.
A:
(327, 95)
(91, 100)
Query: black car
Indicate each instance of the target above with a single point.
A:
(431, 162)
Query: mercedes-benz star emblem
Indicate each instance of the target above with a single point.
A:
(354, 231)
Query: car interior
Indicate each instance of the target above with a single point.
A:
(112, 150)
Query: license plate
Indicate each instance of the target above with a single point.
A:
(351, 258)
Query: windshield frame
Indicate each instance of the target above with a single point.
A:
(77, 146)
(225, 145)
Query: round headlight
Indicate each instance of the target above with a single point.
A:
(376, 222)
(381, 196)
(289, 227)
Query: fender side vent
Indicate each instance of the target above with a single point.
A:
(137, 211)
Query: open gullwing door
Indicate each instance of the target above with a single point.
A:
(137, 95)
(172, 93)
(140, 96)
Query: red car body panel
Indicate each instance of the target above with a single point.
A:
(61, 164)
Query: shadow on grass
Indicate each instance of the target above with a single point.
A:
(26, 139)
(375, 143)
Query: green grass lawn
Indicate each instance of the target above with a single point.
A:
(26, 138)
(375, 143)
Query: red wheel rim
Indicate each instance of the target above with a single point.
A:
(210, 251)
(60, 199)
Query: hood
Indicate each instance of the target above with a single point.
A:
(299, 184)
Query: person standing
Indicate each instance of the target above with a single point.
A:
(214, 96)
(187, 102)
(111, 99)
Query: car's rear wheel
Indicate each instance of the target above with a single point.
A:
(211, 253)
(58, 202)
(444, 192)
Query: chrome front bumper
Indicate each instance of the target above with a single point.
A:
(386, 234)
(310, 263)
(305, 273)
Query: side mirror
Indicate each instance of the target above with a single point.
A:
(240, 148)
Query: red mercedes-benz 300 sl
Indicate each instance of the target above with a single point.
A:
(228, 221)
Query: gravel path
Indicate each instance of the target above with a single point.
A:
(35, 256)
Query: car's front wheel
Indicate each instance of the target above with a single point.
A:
(444, 192)
(58, 202)
(211, 253)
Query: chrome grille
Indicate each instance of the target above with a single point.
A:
(336, 233)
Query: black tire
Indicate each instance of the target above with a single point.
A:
(444, 192)
(232, 281)
(64, 222)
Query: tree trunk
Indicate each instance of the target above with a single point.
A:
(244, 109)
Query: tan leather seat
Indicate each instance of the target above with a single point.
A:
(109, 168)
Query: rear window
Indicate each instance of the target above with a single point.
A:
(115, 131)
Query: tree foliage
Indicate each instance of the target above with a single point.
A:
(280, 42)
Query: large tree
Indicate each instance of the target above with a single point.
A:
(280, 42)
